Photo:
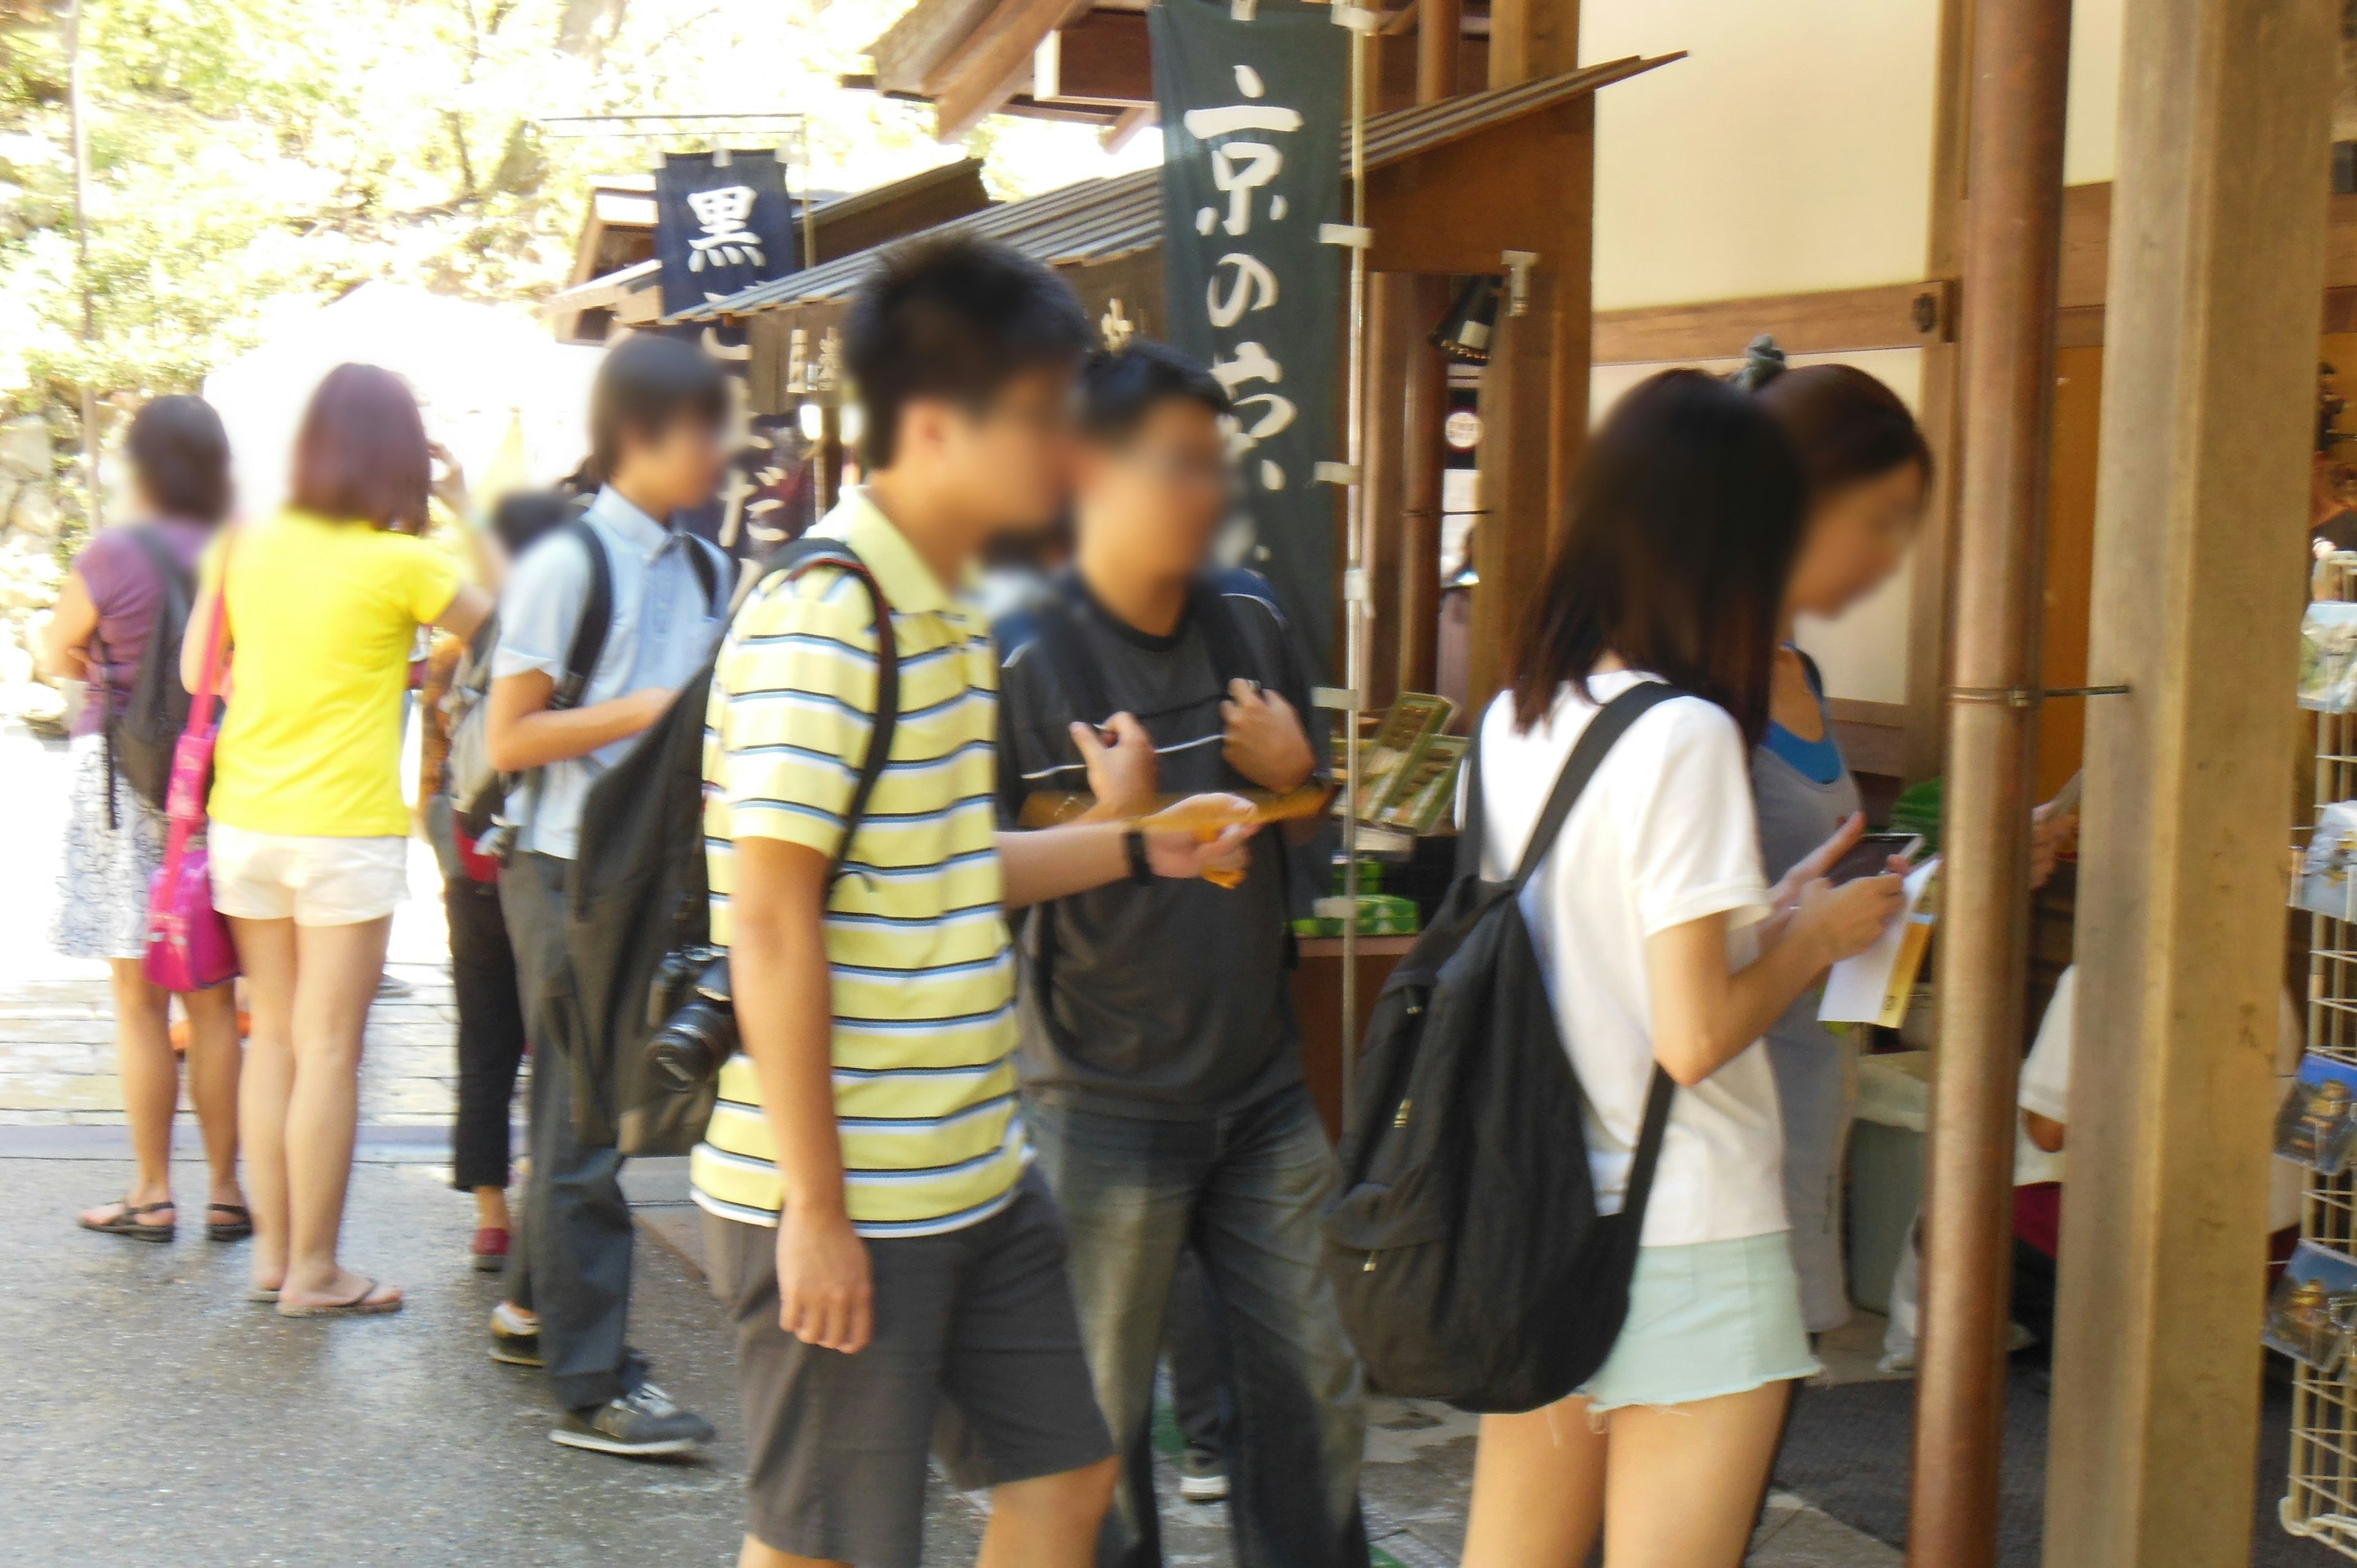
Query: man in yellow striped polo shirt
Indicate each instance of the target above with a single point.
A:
(871, 1222)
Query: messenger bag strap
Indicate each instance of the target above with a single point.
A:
(1594, 743)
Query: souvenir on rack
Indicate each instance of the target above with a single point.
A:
(2324, 880)
(1409, 726)
(2313, 1308)
(2317, 1125)
(2327, 656)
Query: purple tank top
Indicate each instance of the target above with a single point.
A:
(124, 586)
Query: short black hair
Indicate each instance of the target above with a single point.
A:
(647, 383)
(957, 318)
(1121, 387)
(180, 455)
(520, 517)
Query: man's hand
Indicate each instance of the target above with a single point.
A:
(1124, 775)
(2050, 832)
(1266, 742)
(825, 1295)
(1201, 835)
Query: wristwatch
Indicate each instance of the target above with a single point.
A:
(1133, 844)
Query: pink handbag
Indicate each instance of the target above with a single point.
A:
(188, 945)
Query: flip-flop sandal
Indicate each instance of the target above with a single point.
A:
(236, 1229)
(262, 1294)
(128, 1222)
(358, 1306)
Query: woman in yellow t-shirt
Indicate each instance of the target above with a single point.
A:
(309, 834)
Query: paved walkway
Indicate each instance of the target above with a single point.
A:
(157, 1417)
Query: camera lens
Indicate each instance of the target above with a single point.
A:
(692, 1046)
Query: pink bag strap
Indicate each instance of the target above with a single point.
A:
(201, 711)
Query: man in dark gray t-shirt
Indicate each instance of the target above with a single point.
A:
(1161, 1062)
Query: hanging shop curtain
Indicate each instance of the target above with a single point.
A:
(721, 227)
(1254, 98)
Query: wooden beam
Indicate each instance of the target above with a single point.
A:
(1118, 134)
(928, 32)
(994, 63)
(2208, 400)
(1101, 58)
(1844, 320)
(1454, 208)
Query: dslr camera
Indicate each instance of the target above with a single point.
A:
(694, 1021)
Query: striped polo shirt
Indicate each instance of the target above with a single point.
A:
(924, 972)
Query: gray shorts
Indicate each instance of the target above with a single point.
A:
(978, 1320)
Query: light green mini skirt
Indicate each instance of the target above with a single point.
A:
(1706, 1319)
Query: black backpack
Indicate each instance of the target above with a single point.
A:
(638, 894)
(479, 794)
(143, 730)
(1466, 1249)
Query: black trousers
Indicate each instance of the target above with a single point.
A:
(573, 1265)
(491, 1031)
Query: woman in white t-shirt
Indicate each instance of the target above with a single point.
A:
(1663, 942)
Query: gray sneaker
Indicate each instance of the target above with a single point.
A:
(642, 1424)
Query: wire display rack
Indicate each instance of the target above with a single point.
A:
(2320, 1500)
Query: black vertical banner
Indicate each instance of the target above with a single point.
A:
(1252, 95)
(721, 227)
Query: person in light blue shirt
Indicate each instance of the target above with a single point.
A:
(670, 608)
(657, 413)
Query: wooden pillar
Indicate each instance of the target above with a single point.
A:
(1423, 459)
(1535, 400)
(2217, 261)
(2012, 254)
(1439, 25)
(1393, 341)
(1530, 39)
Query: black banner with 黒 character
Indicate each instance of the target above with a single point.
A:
(1253, 94)
(722, 223)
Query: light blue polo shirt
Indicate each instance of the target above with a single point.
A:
(662, 631)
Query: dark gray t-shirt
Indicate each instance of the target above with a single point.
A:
(1170, 999)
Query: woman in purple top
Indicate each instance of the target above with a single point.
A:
(114, 839)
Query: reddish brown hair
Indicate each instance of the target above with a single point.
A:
(360, 454)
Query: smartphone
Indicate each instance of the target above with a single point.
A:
(1870, 855)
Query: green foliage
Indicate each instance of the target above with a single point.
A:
(253, 156)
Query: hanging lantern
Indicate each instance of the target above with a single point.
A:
(1464, 333)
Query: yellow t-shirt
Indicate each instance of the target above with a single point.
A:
(322, 618)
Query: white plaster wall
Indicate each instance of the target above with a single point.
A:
(1790, 151)
(2090, 130)
(1863, 654)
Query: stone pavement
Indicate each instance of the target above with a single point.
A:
(157, 1416)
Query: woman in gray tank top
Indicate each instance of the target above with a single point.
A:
(1868, 468)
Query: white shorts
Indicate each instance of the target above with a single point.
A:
(311, 881)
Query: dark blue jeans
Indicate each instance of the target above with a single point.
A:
(1246, 1190)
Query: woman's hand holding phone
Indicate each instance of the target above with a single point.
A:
(1845, 920)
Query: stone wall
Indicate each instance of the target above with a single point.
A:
(39, 508)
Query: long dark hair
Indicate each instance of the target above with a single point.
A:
(1683, 522)
(361, 453)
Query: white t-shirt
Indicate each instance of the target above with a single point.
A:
(1666, 834)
